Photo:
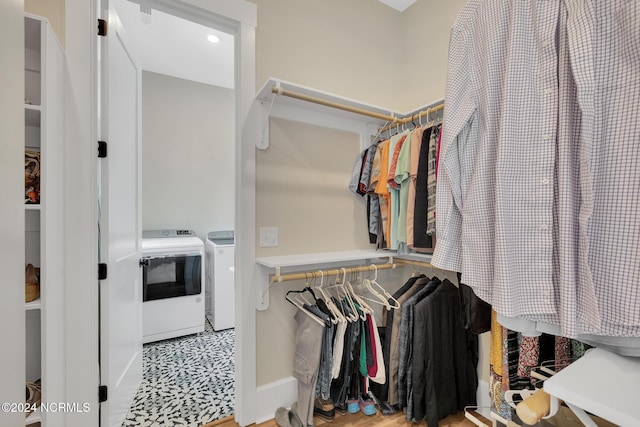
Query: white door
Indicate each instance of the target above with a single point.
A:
(120, 223)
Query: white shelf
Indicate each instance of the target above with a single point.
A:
(33, 305)
(44, 222)
(300, 260)
(602, 383)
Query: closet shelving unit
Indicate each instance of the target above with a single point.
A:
(44, 222)
(373, 118)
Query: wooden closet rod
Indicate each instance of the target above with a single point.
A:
(389, 118)
(335, 272)
(419, 264)
(416, 116)
(296, 95)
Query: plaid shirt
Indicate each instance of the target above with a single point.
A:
(539, 171)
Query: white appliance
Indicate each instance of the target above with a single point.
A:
(220, 288)
(173, 291)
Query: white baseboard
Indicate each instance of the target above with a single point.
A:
(284, 392)
(270, 397)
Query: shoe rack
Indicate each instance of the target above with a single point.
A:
(44, 221)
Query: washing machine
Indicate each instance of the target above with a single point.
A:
(173, 292)
(220, 279)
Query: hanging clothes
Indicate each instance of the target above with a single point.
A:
(414, 156)
(405, 397)
(402, 178)
(306, 362)
(445, 357)
(382, 392)
(420, 237)
(395, 147)
(537, 169)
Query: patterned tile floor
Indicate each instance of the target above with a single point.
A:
(188, 381)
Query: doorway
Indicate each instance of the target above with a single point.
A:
(82, 349)
(188, 155)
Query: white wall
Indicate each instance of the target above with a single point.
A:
(359, 49)
(187, 155)
(302, 188)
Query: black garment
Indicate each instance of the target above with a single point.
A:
(444, 369)
(341, 387)
(381, 391)
(405, 369)
(420, 237)
(476, 313)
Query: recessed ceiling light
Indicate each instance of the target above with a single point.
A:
(213, 39)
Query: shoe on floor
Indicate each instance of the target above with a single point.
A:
(367, 405)
(294, 419)
(353, 406)
(324, 409)
(282, 417)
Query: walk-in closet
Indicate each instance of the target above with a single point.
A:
(423, 214)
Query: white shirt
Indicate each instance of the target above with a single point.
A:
(539, 177)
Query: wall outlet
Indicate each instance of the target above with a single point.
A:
(268, 237)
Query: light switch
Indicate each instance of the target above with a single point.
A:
(268, 237)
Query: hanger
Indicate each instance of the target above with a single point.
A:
(347, 296)
(386, 296)
(300, 305)
(327, 300)
(365, 308)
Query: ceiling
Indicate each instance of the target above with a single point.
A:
(169, 45)
(176, 47)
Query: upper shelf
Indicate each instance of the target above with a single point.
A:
(328, 103)
(300, 260)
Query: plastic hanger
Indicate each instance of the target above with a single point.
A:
(300, 305)
(365, 308)
(327, 300)
(386, 296)
(341, 286)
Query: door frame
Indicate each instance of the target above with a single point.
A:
(238, 17)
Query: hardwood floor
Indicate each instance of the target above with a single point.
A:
(360, 420)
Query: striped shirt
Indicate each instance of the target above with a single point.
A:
(538, 192)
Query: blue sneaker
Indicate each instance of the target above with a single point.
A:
(353, 406)
(367, 405)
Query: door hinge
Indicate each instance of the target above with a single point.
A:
(102, 271)
(102, 393)
(102, 27)
(102, 149)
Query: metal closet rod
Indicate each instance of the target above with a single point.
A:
(335, 272)
(389, 118)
